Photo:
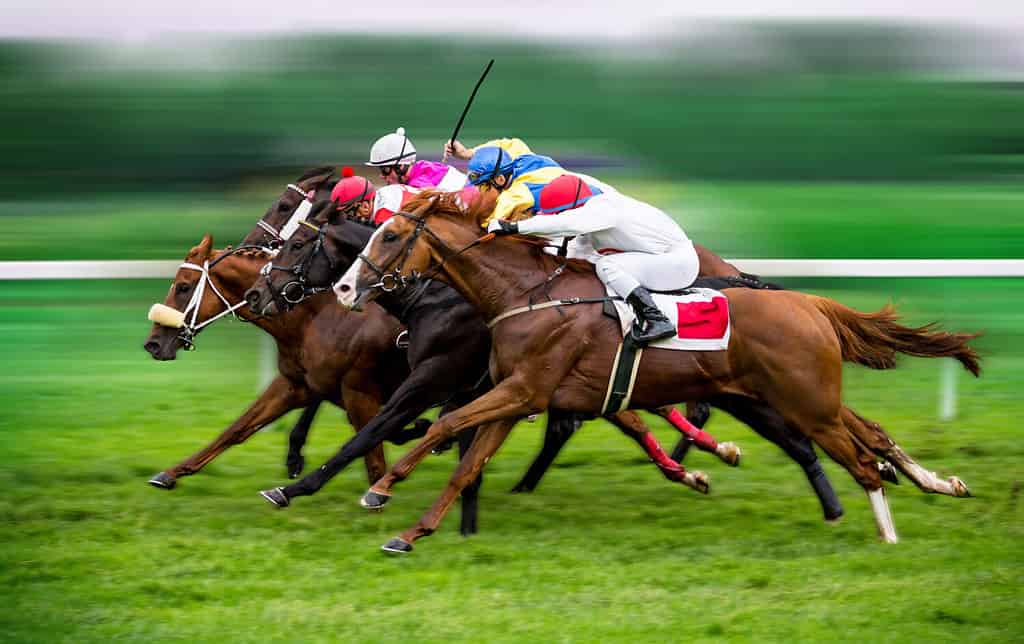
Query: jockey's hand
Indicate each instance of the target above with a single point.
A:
(457, 150)
(502, 227)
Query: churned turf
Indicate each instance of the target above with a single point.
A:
(604, 550)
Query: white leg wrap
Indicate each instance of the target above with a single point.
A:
(924, 479)
(883, 516)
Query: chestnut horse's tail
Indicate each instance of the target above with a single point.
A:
(873, 339)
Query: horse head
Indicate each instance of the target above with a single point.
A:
(206, 288)
(322, 247)
(405, 246)
(294, 203)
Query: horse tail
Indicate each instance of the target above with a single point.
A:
(874, 339)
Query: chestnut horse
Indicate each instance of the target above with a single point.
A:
(786, 350)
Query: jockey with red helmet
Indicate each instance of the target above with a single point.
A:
(637, 246)
(395, 156)
(353, 196)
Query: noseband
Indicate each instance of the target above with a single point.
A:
(298, 289)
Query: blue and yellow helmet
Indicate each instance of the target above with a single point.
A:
(487, 163)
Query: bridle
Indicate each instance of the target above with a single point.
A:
(298, 289)
(391, 281)
(191, 327)
(290, 226)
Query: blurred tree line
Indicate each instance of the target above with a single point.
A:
(772, 102)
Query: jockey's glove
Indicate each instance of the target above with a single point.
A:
(502, 227)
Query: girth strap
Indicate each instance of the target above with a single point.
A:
(568, 301)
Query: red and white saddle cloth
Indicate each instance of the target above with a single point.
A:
(701, 318)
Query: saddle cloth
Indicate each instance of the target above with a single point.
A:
(700, 315)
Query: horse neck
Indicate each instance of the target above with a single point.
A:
(236, 274)
(495, 276)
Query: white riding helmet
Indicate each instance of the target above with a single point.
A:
(392, 149)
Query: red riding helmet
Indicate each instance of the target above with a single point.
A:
(352, 191)
(564, 193)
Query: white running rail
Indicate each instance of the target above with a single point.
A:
(143, 269)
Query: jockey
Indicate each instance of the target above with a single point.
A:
(637, 246)
(353, 196)
(395, 156)
(511, 168)
(390, 200)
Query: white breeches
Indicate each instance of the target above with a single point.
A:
(623, 272)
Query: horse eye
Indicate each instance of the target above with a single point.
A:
(184, 288)
(296, 245)
(390, 236)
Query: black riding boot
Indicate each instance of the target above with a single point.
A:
(650, 324)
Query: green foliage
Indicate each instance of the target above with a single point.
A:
(193, 113)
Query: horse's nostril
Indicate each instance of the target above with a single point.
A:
(252, 298)
(344, 288)
(152, 347)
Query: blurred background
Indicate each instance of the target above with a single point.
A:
(128, 130)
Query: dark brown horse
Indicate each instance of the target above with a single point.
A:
(786, 350)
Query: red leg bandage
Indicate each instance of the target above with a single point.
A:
(704, 440)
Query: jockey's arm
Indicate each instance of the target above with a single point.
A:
(588, 218)
(516, 198)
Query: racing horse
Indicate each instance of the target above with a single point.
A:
(785, 351)
(306, 263)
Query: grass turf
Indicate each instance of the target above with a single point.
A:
(605, 550)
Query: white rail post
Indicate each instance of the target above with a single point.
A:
(947, 389)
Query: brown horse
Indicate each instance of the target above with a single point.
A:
(320, 346)
(786, 350)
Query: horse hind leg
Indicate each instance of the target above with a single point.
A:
(879, 442)
(842, 446)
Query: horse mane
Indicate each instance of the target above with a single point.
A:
(316, 172)
(448, 205)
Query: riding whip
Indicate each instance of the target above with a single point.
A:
(458, 126)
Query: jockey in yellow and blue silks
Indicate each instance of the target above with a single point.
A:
(511, 168)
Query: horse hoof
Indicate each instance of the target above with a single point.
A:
(164, 481)
(833, 521)
(397, 546)
(730, 453)
(959, 487)
(698, 481)
(374, 501)
(888, 472)
(295, 467)
(276, 496)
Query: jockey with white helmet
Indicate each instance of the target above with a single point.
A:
(637, 246)
(395, 156)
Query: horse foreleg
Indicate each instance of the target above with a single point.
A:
(561, 427)
(362, 406)
(631, 425)
(488, 439)
(411, 399)
(511, 399)
(280, 397)
(294, 462)
(470, 493)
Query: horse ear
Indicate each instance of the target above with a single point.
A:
(202, 250)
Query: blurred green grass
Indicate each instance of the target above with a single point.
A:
(605, 550)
